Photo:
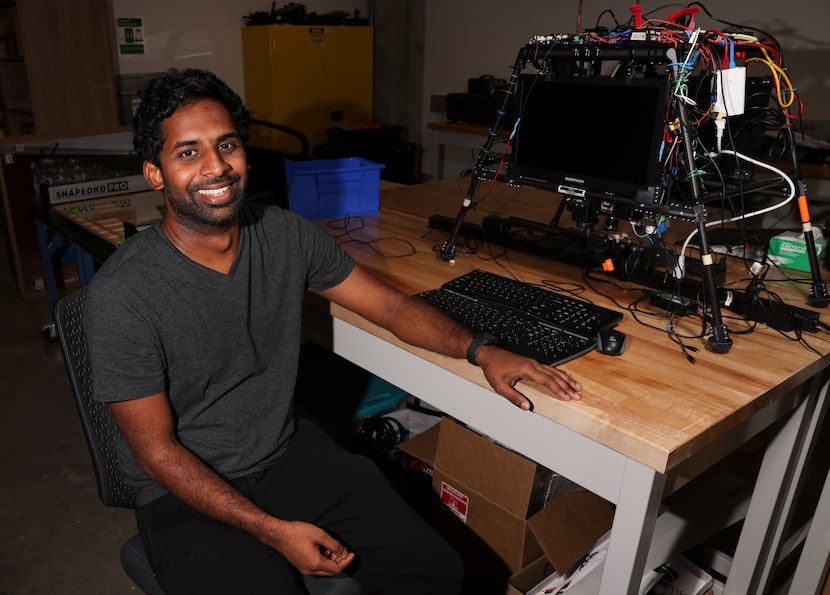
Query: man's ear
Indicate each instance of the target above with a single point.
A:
(152, 173)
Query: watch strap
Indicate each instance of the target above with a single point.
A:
(479, 341)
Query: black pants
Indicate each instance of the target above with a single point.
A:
(316, 481)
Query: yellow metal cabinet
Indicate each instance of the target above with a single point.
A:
(306, 76)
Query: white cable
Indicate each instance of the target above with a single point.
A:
(692, 46)
(671, 54)
(720, 124)
(680, 270)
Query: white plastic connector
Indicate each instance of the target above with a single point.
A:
(720, 124)
(679, 269)
(731, 91)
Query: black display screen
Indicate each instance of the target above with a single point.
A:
(601, 135)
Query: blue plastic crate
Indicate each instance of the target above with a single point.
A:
(380, 396)
(329, 188)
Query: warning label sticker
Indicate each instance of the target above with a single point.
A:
(457, 502)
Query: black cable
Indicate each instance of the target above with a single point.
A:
(739, 26)
(371, 244)
(670, 328)
(586, 277)
(613, 16)
(380, 434)
(684, 349)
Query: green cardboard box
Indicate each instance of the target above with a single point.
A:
(789, 250)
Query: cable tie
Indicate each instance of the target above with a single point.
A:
(515, 127)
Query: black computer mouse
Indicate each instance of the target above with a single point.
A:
(611, 342)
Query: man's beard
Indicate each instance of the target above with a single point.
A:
(198, 215)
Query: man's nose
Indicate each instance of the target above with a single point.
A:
(215, 164)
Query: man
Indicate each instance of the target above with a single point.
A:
(194, 332)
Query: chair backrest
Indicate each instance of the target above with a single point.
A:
(303, 153)
(99, 426)
(101, 433)
(267, 182)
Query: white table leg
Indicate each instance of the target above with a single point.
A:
(814, 556)
(634, 520)
(775, 491)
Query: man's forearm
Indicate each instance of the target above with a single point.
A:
(307, 547)
(181, 473)
(423, 325)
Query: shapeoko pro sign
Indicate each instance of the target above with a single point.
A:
(96, 189)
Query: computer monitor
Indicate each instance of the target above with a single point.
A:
(592, 136)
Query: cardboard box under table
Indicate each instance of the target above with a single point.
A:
(491, 496)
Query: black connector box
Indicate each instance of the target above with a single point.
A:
(673, 304)
(775, 314)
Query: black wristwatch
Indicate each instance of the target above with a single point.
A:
(479, 341)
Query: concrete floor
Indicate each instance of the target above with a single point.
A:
(55, 535)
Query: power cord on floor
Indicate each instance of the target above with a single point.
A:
(379, 435)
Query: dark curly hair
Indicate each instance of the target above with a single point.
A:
(172, 90)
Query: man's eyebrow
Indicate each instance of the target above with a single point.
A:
(190, 143)
(228, 135)
(185, 143)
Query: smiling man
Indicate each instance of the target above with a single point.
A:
(194, 332)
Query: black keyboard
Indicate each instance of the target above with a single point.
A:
(547, 326)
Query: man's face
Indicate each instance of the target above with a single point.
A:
(203, 170)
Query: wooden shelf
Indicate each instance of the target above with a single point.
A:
(57, 65)
(57, 76)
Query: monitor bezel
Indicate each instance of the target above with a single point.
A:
(591, 179)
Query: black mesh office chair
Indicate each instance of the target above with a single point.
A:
(267, 183)
(101, 433)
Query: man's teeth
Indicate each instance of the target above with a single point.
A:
(214, 191)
